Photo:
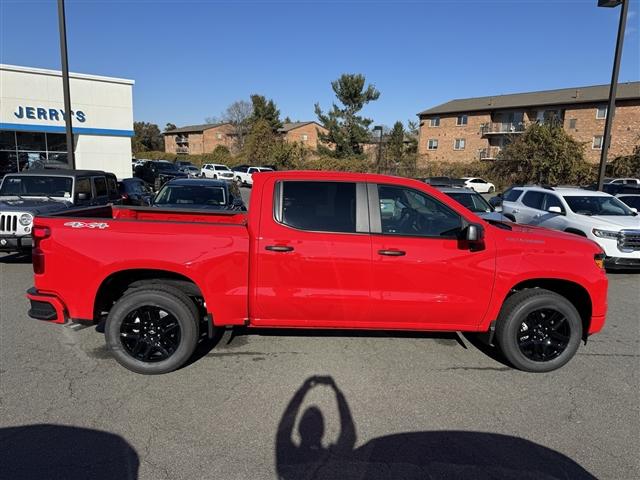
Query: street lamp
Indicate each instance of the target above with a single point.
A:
(376, 128)
(606, 140)
(65, 83)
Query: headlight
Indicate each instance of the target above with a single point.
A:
(26, 219)
(605, 234)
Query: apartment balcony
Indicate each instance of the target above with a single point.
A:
(182, 149)
(489, 153)
(502, 128)
(182, 140)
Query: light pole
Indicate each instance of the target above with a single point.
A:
(65, 83)
(611, 108)
(376, 128)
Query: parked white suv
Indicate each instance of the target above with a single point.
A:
(595, 215)
(245, 176)
(215, 170)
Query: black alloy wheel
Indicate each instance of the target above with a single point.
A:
(544, 335)
(150, 334)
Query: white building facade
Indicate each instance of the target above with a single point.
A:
(32, 120)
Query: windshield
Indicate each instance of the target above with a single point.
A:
(37, 186)
(472, 201)
(596, 205)
(190, 195)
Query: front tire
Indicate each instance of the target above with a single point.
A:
(538, 330)
(152, 331)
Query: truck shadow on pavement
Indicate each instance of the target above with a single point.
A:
(65, 453)
(407, 456)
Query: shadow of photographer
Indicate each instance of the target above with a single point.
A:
(406, 456)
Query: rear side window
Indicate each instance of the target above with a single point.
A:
(319, 206)
(112, 185)
(533, 200)
(101, 186)
(83, 186)
(512, 195)
(632, 201)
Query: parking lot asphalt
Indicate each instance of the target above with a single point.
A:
(68, 410)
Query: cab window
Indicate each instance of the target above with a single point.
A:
(319, 206)
(404, 211)
(83, 185)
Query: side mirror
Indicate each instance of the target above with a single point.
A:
(554, 209)
(473, 237)
(82, 196)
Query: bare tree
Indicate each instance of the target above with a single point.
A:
(237, 114)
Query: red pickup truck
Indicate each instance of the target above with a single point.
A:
(317, 250)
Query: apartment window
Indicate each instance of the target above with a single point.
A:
(601, 112)
(461, 120)
(432, 144)
(219, 136)
(597, 142)
(434, 122)
(459, 144)
(573, 123)
(304, 137)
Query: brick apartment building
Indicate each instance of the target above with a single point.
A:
(472, 129)
(199, 139)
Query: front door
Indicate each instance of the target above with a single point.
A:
(423, 276)
(313, 256)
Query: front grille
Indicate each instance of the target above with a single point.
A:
(8, 223)
(629, 240)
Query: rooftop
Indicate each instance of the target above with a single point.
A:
(286, 127)
(58, 73)
(564, 96)
(193, 128)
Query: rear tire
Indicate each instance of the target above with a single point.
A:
(492, 189)
(152, 330)
(538, 330)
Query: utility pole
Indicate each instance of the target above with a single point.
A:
(65, 83)
(379, 127)
(611, 108)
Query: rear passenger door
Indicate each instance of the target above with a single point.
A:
(531, 207)
(313, 258)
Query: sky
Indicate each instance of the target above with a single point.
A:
(191, 59)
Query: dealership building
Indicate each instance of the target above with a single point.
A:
(32, 120)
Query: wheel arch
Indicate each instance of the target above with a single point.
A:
(572, 291)
(114, 286)
(575, 231)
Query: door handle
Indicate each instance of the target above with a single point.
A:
(278, 248)
(515, 210)
(392, 253)
(537, 215)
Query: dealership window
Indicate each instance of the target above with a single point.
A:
(432, 144)
(23, 150)
(573, 123)
(596, 144)
(461, 120)
(601, 112)
(459, 144)
(434, 122)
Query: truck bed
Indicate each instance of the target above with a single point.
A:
(118, 212)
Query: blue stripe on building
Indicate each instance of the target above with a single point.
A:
(21, 127)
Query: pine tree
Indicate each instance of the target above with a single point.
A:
(347, 131)
(264, 109)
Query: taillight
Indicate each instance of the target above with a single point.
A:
(41, 233)
(37, 255)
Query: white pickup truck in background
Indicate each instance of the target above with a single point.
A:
(244, 176)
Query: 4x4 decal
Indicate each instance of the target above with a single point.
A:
(98, 225)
